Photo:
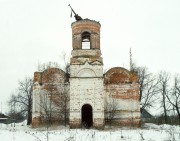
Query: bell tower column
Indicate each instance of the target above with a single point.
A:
(86, 76)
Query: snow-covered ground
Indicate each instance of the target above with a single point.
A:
(150, 132)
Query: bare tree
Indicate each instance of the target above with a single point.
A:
(13, 109)
(63, 104)
(50, 104)
(164, 78)
(148, 88)
(43, 66)
(64, 58)
(66, 67)
(54, 98)
(148, 85)
(66, 97)
(54, 104)
(111, 108)
(24, 98)
(174, 96)
(49, 98)
(46, 106)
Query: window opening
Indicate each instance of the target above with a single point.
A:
(86, 40)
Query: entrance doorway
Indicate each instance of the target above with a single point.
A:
(86, 116)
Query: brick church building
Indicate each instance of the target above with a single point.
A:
(86, 96)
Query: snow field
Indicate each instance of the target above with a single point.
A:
(150, 132)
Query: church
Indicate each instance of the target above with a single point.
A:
(84, 96)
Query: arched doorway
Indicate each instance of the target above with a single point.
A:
(86, 116)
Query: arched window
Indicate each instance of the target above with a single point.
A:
(86, 44)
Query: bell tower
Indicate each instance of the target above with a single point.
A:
(86, 76)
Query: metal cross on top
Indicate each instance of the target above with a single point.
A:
(77, 17)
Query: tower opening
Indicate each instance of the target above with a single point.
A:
(86, 116)
(86, 44)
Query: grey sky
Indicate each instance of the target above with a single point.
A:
(33, 31)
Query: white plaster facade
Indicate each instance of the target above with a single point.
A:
(86, 87)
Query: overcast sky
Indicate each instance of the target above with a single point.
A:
(33, 31)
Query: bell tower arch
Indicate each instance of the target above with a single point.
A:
(86, 40)
(86, 74)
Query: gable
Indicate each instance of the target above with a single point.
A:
(53, 75)
(117, 75)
